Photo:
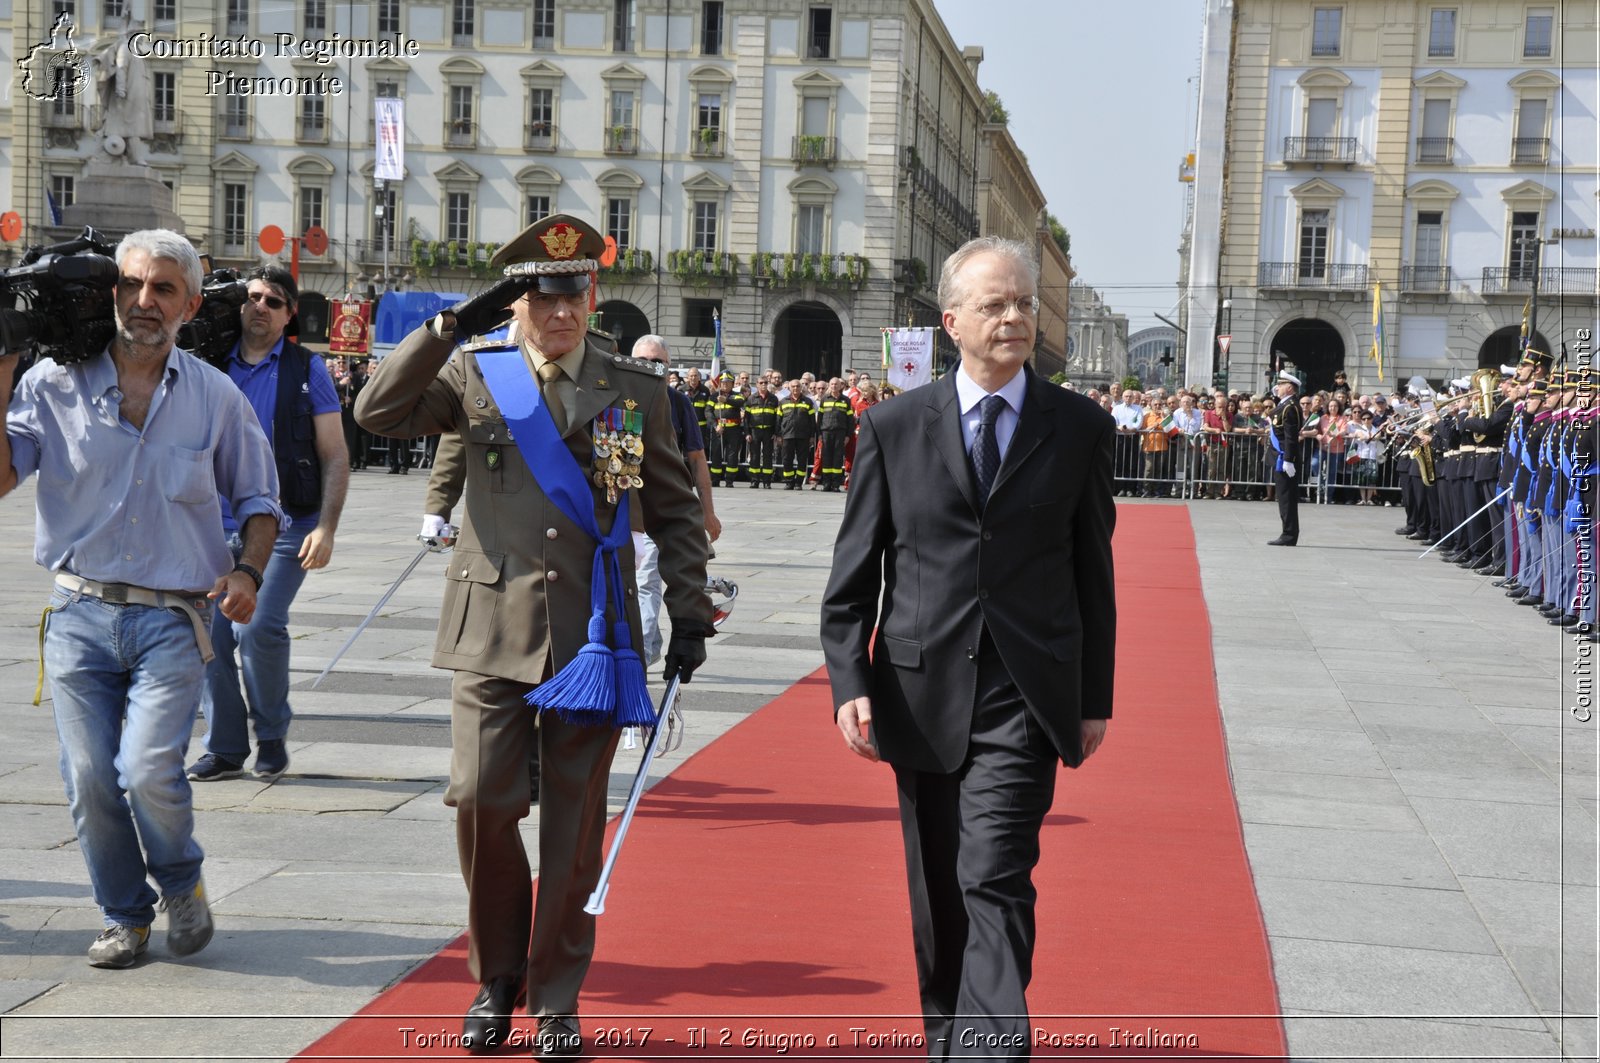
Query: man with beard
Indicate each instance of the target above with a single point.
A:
(134, 447)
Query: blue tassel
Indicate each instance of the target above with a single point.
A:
(584, 692)
(633, 695)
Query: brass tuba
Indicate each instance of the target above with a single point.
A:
(1485, 382)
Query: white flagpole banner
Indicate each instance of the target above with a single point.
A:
(389, 115)
(910, 357)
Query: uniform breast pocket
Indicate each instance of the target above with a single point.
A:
(186, 476)
(489, 446)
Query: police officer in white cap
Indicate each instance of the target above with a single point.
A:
(1284, 437)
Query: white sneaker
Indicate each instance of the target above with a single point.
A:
(118, 946)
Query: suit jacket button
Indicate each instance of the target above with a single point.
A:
(549, 533)
(971, 656)
(983, 596)
(552, 576)
(988, 535)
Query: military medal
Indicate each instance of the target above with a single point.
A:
(618, 449)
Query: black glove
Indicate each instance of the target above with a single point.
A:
(686, 651)
(490, 308)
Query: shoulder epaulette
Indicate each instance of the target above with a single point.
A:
(639, 365)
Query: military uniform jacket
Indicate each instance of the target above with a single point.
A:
(1287, 423)
(1521, 486)
(1493, 430)
(516, 601)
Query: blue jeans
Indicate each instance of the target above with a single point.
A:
(124, 680)
(263, 646)
(647, 569)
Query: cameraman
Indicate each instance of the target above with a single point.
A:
(133, 446)
(292, 395)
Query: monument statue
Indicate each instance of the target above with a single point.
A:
(123, 116)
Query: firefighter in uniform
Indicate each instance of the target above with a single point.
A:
(836, 419)
(797, 428)
(727, 414)
(700, 397)
(761, 425)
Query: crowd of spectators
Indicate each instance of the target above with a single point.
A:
(1212, 443)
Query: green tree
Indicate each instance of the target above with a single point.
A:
(1058, 233)
(997, 110)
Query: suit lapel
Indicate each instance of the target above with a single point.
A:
(944, 433)
(1034, 426)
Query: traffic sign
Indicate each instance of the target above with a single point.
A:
(1223, 342)
(10, 226)
(271, 239)
(317, 240)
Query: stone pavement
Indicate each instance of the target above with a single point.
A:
(1419, 804)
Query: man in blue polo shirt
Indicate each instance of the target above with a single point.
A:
(294, 399)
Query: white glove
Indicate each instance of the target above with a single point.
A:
(1288, 469)
(433, 526)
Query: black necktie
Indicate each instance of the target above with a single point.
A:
(985, 447)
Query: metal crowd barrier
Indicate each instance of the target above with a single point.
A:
(1155, 463)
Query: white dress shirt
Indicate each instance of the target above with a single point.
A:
(969, 394)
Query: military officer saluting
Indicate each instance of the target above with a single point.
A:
(562, 439)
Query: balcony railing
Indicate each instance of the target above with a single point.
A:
(706, 143)
(786, 270)
(622, 140)
(460, 133)
(1320, 149)
(1425, 278)
(1553, 280)
(807, 149)
(1327, 276)
(1436, 150)
(311, 130)
(539, 136)
(942, 196)
(1535, 150)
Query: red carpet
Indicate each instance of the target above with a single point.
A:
(759, 907)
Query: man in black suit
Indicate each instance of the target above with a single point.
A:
(980, 507)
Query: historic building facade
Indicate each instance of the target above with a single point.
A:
(798, 170)
(1438, 156)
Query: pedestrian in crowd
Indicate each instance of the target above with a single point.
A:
(125, 637)
(349, 386)
(1129, 417)
(761, 429)
(975, 703)
(1363, 448)
(1187, 421)
(1155, 445)
(293, 397)
(647, 554)
(518, 605)
(836, 424)
(797, 429)
(1283, 430)
(1216, 424)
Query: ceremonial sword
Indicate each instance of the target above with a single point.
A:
(1463, 524)
(661, 735)
(431, 544)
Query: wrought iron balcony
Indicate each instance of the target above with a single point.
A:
(707, 142)
(622, 140)
(460, 133)
(1553, 280)
(1425, 278)
(1320, 149)
(539, 136)
(1534, 150)
(807, 149)
(1437, 150)
(1327, 276)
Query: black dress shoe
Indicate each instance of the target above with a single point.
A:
(558, 1037)
(1282, 540)
(1504, 582)
(1582, 627)
(1515, 590)
(1490, 570)
(1407, 530)
(1529, 599)
(1551, 610)
(1564, 620)
(487, 1025)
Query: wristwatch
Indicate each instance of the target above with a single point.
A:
(251, 571)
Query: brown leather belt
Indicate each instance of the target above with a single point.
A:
(128, 594)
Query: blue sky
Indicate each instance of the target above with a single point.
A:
(1101, 97)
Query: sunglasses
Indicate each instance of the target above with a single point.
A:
(273, 302)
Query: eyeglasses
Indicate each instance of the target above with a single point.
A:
(273, 302)
(1027, 306)
(547, 302)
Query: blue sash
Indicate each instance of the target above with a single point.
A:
(1272, 437)
(604, 685)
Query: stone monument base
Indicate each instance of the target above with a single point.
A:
(118, 198)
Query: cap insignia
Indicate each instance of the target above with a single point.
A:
(560, 240)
